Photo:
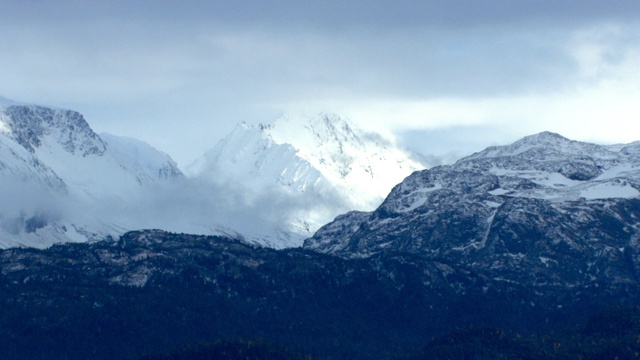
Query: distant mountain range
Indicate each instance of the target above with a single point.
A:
(272, 185)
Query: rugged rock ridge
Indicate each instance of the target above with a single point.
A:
(545, 211)
(28, 125)
(548, 152)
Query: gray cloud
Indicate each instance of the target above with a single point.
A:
(199, 207)
(179, 76)
(449, 144)
(189, 206)
(326, 15)
(26, 205)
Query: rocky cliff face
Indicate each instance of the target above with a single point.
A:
(29, 125)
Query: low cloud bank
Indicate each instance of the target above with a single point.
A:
(186, 206)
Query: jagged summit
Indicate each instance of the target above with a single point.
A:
(548, 152)
(329, 142)
(544, 137)
(29, 124)
(251, 155)
(546, 146)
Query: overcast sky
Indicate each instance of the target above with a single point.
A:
(444, 76)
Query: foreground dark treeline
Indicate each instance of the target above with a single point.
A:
(154, 293)
(240, 349)
(610, 334)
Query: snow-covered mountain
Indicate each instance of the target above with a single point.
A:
(322, 165)
(543, 210)
(57, 175)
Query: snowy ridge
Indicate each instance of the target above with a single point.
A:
(561, 169)
(250, 154)
(148, 163)
(548, 144)
(23, 166)
(505, 208)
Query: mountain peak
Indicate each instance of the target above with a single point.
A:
(58, 177)
(546, 136)
(30, 124)
(265, 127)
(546, 146)
(348, 156)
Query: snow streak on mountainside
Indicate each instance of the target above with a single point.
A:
(59, 177)
(323, 165)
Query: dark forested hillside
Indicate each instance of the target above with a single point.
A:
(153, 293)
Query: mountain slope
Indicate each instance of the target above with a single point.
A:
(545, 211)
(250, 154)
(532, 237)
